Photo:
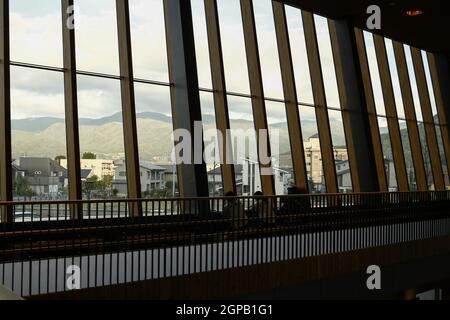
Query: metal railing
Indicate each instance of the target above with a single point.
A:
(122, 241)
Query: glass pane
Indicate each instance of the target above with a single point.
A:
(96, 36)
(430, 87)
(233, 45)
(374, 74)
(248, 179)
(342, 162)
(38, 134)
(201, 44)
(280, 147)
(268, 49)
(212, 151)
(395, 79)
(36, 35)
(388, 155)
(408, 155)
(327, 61)
(155, 137)
(313, 154)
(299, 55)
(442, 154)
(412, 77)
(426, 155)
(101, 138)
(148, 38)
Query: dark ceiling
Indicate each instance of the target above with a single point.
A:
(429, 31)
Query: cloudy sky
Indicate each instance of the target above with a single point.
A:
(36, 38)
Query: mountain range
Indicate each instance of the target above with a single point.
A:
(45, 137)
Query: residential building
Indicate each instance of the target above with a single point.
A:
(45, 176)
(152, 178)
(99, 167)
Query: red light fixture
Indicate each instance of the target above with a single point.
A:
(415, 12)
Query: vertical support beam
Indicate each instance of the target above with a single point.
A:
(220, 96)
(411, 117)
(5, 112)
(440, 74)
(354, 113)
(372, 113)
(320, 102)
(128, 102)
(185, 94)
(290, 95)
(71, 107)
(428, 119)
(391, 114)
(257, 92)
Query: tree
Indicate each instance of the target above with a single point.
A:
(22, 188)
(89, 156)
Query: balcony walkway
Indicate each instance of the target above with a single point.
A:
(171, 243)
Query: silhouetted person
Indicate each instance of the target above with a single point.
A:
(234, 209)
(260, 210)
(293, 205)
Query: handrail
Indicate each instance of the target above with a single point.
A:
(313, 195)
(176, 237)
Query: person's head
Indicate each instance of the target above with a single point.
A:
(258, 194)
(297, 191)
(230, 195)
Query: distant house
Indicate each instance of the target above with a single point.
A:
(152, 178)
(344, 176)
(44, 175)
(170, 173)
(215, 179)
(85, 175)
(99, 167)
(17, 171)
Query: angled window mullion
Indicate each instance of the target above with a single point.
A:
(128, 101)
(320, 102)
(371, 109)
(427, 113)
(220, 96)
(411, 118)
(185, 91)
(441, 83)
(71, 108)
(257, 92)
(391, 114)
(5, 110)
(354, 112)
(290, 96)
